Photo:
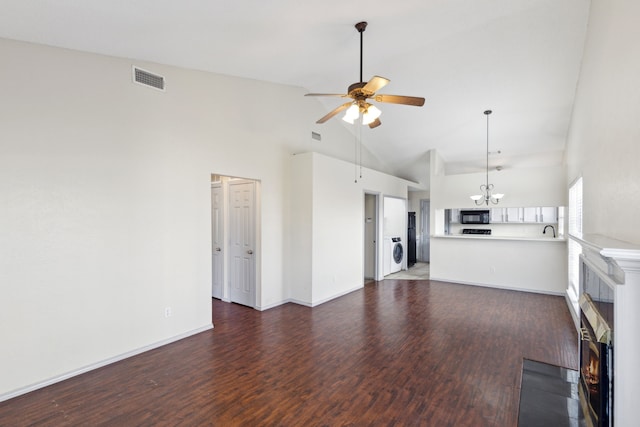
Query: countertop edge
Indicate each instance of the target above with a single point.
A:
(512, 238)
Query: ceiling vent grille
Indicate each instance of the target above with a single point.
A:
(146, 78)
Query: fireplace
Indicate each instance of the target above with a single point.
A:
(596, 363)
(609, 271)
(596, 348)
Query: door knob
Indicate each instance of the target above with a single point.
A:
(218, 249)
(250, 252)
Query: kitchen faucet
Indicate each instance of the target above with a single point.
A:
(545, 230)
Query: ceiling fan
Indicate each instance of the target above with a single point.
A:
(361, 91)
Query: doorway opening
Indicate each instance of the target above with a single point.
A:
(424, 253)
(371, 206)
(235, 239)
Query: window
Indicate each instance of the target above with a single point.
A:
(575, 229)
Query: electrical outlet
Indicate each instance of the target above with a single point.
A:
(167, 312)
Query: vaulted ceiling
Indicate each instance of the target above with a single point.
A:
(520, 58)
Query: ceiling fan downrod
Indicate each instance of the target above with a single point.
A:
(361, 26)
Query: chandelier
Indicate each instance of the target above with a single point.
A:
(487, 195)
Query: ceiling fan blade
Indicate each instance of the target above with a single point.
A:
(375, 84)
(375, 123)
(399, 99)
(335, 111)
(327, 94)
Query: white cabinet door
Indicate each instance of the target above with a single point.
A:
(497, 215)
(530, 214)
(549, 214)
(513, 215)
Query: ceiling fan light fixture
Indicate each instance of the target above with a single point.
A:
(351, 114)
(361, 91)
(371, 114)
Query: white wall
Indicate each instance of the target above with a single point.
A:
(301, 219)
(395, 217)
(521, 187)
(337, 216)
(105, 201)
(603, 144)
(603, 147)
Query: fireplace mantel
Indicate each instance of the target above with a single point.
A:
(618, 264)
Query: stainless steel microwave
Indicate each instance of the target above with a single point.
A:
(476, 216)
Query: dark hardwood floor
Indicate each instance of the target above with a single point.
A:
(394, 353)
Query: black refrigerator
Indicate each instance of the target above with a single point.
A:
(411, 239)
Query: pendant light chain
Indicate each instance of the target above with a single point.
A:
(487, 188)
(487, 114)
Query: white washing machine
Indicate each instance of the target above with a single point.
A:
(397, 254)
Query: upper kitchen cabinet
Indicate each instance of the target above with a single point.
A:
(497, 215)
(540, 214)
(514, 214)
(530, 214)
(549, 214)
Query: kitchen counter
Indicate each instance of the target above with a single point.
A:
(493, 238)
(527, 263)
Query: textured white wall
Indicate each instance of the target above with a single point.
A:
(105, 201)
(604, 148)
(603, 144)
(335, 263)
(521, 187)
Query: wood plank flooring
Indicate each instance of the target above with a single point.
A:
(395, 353)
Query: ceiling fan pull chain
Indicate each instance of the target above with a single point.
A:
(355, 160)
(360, 132)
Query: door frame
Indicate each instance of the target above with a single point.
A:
(225, 180)
(223, 247)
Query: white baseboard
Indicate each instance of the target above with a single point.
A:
(508, 288)
(101, 363)
(348, 291)
(309, 304)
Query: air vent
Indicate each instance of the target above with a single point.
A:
(316, 136)
(146, 78)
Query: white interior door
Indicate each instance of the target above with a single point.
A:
(242, 237)
(217, 240)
